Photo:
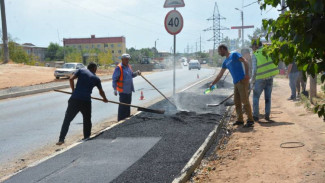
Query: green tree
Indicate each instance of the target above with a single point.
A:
(75, 56)
(298, 34)
(105, 58)
(227, 42)
(54, 52)
(203, 55)
(17, 53)
(258, 32)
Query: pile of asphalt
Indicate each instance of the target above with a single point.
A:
(181, 133)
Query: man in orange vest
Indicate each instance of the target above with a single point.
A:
(123, 85)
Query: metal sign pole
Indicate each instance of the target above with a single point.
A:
(174, 74)
(174, 25)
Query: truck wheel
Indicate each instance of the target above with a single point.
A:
(57, 77)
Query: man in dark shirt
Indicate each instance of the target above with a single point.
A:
(80, 100)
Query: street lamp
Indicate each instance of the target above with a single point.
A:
(242, 25)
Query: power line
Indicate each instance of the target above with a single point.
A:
(250, 4)
(216, 28)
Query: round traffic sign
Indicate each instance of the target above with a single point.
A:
(174, 22)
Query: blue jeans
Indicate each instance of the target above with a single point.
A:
(293, 77)
(260, 86)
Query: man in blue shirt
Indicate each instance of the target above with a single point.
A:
(80, 100)
(123, 84)
(233, 63)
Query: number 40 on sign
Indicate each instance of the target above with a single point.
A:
(173, 22)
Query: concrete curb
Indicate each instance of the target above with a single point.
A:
(42, 90)
(198, 155)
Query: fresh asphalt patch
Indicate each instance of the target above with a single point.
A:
(145, 148)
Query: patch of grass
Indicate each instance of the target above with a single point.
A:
(305, 101)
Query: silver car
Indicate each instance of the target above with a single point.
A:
(194, 64)
(67, 70)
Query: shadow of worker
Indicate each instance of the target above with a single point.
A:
(271, 123)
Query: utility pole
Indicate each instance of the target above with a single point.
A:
(216, 28)
(156, 51)
(188, 48)
(242, 26)
(200, 44)
(4, 32)
(242, 30)
(283, 4)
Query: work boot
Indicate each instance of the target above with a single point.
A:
(60, 143)
(267, 118)
(249, 124)
(255, 118)
(238, 123)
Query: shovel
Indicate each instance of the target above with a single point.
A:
(139, 108)
(158, 91)
(216, 105)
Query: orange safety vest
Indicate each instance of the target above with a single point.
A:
(120, 82)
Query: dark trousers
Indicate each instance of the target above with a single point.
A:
(123, 110)
(74, 107)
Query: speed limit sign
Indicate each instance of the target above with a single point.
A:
(174, 22)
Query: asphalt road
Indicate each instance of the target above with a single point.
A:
(31, 122)
(145, 148)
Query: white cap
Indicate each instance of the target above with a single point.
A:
(125, 55)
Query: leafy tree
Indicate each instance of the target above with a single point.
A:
(298, 34)
(258, 32)
(54, 52)
(203, 55)
(137, 55)
(105, 58)
(227, 42)
(17, 53)
(75, 56)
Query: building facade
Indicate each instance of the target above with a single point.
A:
(115, 45)
(31, 49)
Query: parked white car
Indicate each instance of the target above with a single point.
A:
(67, 70)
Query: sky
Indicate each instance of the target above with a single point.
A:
(141, 22)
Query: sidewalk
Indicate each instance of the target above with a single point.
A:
(256, 156)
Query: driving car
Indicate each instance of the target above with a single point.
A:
(67, 70)
(194, 64)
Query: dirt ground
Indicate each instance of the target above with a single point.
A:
(13, 75)
(255, 155)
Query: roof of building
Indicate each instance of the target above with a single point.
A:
(28, 44)
(93, 39)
